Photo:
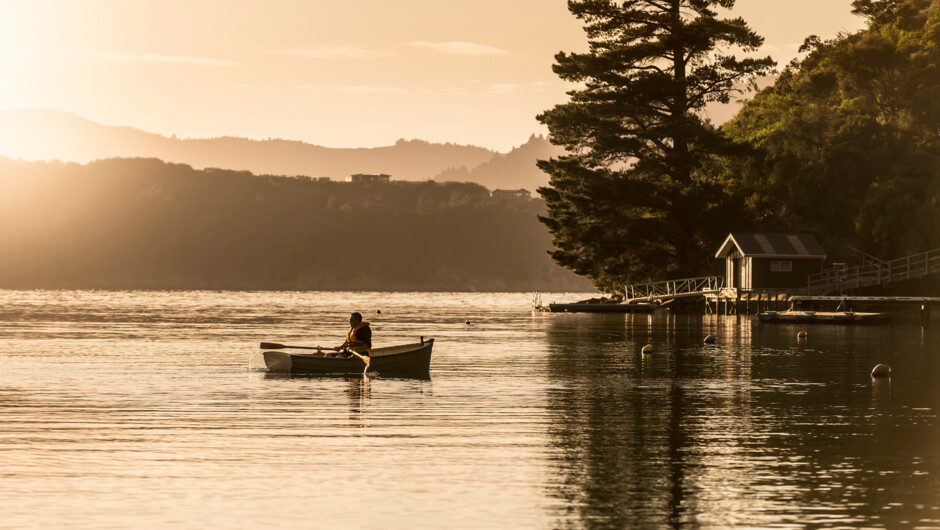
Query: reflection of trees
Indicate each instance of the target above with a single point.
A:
(756, 430)
(619, 442)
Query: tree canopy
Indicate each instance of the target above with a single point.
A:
(628, 202)
(846, 143)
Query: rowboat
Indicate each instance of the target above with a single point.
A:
(405, 359)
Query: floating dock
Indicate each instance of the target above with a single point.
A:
(596, 305)
(818, 317)
(597, 308)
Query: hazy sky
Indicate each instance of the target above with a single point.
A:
(353, 73)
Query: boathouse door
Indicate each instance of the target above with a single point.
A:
(739, 273)
(735, 271)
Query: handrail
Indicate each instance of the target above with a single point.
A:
(867, 259)
(900, 269)
(673, 288)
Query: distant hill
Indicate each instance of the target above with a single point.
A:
(57, 135)
(513, 170)
(144, 223)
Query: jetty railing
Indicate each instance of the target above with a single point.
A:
(670, 289)
(874, 273)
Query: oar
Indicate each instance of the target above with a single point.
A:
(276, 346)
(365, 358)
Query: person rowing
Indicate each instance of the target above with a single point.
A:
(358, 338)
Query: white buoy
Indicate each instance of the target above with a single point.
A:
(882, 370)
(647, 349)
(710, 339)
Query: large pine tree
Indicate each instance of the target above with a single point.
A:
(627, 202)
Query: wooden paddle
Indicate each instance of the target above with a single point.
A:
(365, 358)
(276, 346)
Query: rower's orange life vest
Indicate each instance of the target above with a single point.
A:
(351, 339)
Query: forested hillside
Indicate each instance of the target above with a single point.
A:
(144, 223)
(846, 144)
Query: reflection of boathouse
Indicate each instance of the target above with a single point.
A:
(764, 261)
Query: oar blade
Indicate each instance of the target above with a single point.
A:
(272, 346)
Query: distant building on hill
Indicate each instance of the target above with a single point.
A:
(365, 177)
(520, 193)
(321, 179)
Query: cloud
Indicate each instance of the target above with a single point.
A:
(459, 48)
(152, 58)
(476, 87)
(353, 89)
(335, 52)
(541, 86)
(503, 88)
(46, 54)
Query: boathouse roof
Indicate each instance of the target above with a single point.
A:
(771, 245)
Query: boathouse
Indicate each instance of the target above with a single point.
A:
(764, 261)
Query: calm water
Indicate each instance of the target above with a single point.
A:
(137, 409)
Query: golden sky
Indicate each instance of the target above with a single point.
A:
(353, 73)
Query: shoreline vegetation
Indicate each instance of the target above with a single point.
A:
(148, 224)
(843, 145)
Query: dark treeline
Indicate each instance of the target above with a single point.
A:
(846, 144)
(143, 223)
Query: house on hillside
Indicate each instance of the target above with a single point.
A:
(754, 262)
(521, 193)
(364, 177)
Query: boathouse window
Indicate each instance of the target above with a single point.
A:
(781, 266)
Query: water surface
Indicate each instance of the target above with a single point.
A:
(138, 409)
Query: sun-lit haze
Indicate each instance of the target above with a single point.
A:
(339, 74)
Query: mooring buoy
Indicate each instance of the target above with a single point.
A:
(881, 370)
(647, 349)
(802, 334)
(710, 339)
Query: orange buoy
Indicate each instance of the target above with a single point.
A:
(802, 334)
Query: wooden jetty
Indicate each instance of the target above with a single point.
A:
(874, 271)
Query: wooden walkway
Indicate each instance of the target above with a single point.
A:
(875, 272)
(672, 289)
